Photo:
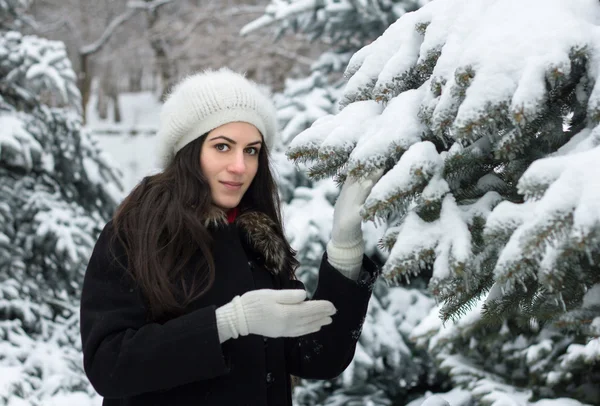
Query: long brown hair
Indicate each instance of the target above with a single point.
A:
(160, 224)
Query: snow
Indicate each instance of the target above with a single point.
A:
(303, 101)
(435, 400)
(583, 141)
(315, 135)
(139, 114)
(409, 307)
(575, 184)
(68, 227)
(337, 132)
(536, 351)
(397, 128)
(572, 185)
(496, 394)
(365, 66)
(421, 158)
(455, 397)
(302, 228)
(45, 67)
(433, 333)
(402, 57)
(510, 65)
(358, 118)
(448, 237)
(133, 155)
(557, 402)
(53, 371)
(588, 353)
(496, 52)
(13, 130)
(19, 141)
(427, 327)
(592, 296)
(73, 399)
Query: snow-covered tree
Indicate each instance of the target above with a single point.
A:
(56, 191)
(485, 117)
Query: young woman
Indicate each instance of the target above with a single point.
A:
(190, 296)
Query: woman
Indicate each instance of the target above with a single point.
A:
(190, 296)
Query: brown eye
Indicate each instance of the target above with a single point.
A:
(219, 147)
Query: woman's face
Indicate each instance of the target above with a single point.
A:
(229, 161)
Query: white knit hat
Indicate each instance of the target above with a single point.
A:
(206, 100)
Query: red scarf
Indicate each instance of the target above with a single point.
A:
(232, 214)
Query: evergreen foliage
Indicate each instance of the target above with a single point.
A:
(490, 145)
(57, 191)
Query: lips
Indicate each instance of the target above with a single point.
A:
(234, 184)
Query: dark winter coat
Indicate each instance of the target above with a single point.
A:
(181, 362)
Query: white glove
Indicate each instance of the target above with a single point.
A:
(273, 313)
(346, 247)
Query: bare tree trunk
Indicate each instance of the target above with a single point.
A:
(108, 92)
(102, 102)
(135, 79)
(159, 46)
(114, 96)
(84, 83)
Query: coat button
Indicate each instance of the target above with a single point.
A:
(270, 378)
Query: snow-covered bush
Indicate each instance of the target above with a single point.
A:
(56, 191)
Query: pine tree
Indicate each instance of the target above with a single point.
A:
(57, 190)
(490, 143)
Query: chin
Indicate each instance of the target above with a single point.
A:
(227, 204)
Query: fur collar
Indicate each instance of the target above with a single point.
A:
(260, 234)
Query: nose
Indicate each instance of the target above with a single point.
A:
(237, 164)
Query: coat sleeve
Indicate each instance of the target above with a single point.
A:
(326, 353)
(125, 355)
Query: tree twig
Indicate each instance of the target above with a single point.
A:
(133, 8)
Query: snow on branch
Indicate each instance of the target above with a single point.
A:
(278, 12)
(506, 96)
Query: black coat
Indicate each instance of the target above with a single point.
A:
(180, 362)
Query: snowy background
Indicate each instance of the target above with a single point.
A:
(485, 116)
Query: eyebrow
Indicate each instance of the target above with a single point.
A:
(232, 141)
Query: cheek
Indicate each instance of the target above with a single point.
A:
(207, 165)
(254, 168)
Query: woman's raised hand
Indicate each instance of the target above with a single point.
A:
(273, 313)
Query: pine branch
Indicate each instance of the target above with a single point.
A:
(398, 202)
(414, 78)
(303, 154)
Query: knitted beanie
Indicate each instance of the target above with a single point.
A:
(206, 100)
